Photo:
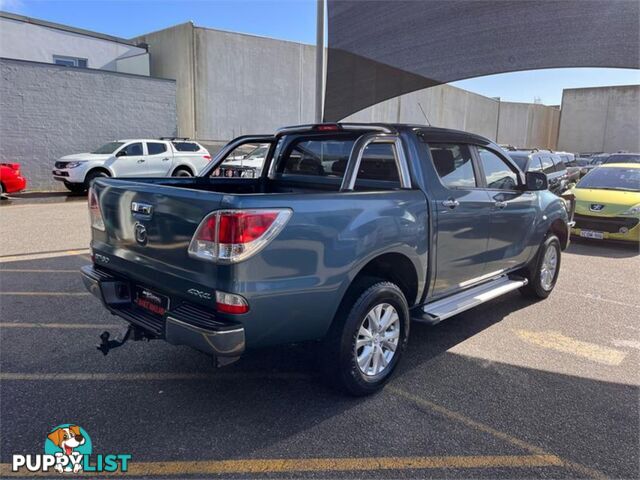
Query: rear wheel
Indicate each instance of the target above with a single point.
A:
(367, 339)
(92, 176)
(182, 172)
(543, 271)
(75, 187)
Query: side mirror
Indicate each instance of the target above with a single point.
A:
(536, 181)
(121, 153)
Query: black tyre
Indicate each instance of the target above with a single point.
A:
(75, 187)
(367, 338)
(182, 172)
(92, 176)
(543, 271)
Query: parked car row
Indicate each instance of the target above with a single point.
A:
(163, 157)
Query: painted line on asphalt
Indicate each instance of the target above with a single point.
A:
(45, 294)
(561, 343)
(598, 298)
(151, 376)
(42, 255)
(57, 325)
(35, 270)
(293, 465)
(505, 437)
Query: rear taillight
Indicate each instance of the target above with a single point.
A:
(229, 236)
(207, 157)
(95, 214)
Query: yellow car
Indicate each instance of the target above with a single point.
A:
(608, 203)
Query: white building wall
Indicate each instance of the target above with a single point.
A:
(28, 41)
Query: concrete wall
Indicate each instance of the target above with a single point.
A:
(520, 124)
(48, 111)
(528, 125)
(230, 84)
(28, 41)
(603, 119)
(171, 56)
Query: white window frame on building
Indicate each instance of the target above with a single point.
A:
(70, 61)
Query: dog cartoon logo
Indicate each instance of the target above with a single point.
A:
(69, 443)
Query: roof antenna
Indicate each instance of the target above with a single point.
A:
(425, 115)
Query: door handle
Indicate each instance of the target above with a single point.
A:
(141, 160)
(451, 203)
(500, 204)
(165, 159)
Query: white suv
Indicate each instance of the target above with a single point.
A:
(132, 158)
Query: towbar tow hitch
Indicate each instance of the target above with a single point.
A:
(106, 344)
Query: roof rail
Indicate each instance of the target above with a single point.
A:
(174, 138)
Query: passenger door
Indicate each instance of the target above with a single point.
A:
(513, 212)
(130, 161)
(463, 211)
(158, 159)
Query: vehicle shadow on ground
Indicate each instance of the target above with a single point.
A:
(41, 197)
(603, 248)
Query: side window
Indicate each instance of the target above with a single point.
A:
(186, 146)
(245, 161)
(558, 162)
(497, 172)
(454, 165)
(547, 164)
(155, 148)
(535, 165)
(379, 163)
(133, 150)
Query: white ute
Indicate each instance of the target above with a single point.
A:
(176, 157)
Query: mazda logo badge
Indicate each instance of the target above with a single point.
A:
(141, 233)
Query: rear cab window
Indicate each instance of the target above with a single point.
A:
(324, 159)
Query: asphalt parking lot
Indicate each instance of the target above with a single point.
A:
(512, 389)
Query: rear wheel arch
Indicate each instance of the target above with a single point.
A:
(183, 168)
(392, 267)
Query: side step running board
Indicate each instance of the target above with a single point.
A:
(439, 310)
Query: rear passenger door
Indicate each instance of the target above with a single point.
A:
(463, 211)
(158, 159)
(513, 212)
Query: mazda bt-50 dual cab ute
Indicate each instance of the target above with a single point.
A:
(348, 233)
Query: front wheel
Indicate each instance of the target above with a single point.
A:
(543, 271)
(91, 176)
(367, 338)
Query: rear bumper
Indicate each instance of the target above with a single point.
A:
(184, 325)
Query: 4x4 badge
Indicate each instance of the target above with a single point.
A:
(596, 207)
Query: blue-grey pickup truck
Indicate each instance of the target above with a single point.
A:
(343, 235)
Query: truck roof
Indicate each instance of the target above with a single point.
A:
(429, 132)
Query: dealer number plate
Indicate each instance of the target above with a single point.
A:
(151, 300)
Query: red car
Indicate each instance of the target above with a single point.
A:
(10, 179)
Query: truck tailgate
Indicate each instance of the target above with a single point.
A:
(151, 225)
